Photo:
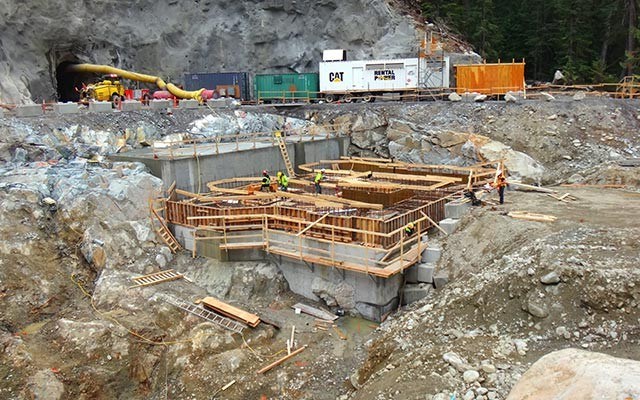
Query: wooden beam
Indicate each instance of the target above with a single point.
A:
(416, 178)
(310, 226)
(434, 223)
(280, 361)
(230, 311)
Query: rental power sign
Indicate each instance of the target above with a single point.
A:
(384, 75)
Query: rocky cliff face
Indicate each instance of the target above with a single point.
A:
(171, 37)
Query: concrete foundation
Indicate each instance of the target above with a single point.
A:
(100, 106)
(190, 173)
(413, 292)
(188, 103)
(66, 108)
(449, 225)
(160, 104)
(372, 297)
(220, 103)
(131, 105)
(456, 209)
(29, 110)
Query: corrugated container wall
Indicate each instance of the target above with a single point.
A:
(210, 81)
(286, 86)
(490, 78)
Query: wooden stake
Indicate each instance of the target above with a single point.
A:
(292, 343)
(280, 361)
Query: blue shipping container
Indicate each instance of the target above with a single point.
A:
(195, 81)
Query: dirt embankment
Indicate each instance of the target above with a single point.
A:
(519, 290)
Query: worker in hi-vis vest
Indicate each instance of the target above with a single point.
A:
(317, 179)
(283, 181)
(266, 182)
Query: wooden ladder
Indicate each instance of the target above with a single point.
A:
(155, 278)
(164, 232)
(201, 312)
(285, 154)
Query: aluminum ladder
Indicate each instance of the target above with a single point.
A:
(203, 313)
(285, 153)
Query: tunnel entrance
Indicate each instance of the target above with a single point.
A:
(69, 83)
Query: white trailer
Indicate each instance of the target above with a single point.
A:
(366, 79)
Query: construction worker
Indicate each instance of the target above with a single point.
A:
(501, 183)
(266, 182)
(410, 229)
(317, 179)
(283, 181)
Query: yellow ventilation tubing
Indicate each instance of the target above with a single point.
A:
(134, 76)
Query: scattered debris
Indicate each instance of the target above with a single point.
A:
(225, 387)
(532, 216)
(281, 360)
(315, 312)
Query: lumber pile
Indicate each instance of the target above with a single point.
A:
(527, 216)
(230, 311)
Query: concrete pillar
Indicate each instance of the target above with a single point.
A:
(66, 108)
(100, 106)
(431, 255)
(160, 104)
(131, 105)
(29, 110)
(440, 279)
(449, 225)
(190, 103)
(411, 274)
(425, 273)
(456, 209)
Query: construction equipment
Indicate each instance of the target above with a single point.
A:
(285, 154)
(135, 76)
(108, 89)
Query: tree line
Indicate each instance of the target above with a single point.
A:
(590, 41)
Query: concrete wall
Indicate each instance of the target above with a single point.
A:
(372, 296)
(188, 172)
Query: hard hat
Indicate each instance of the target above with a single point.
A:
(279, 173)
(322, 170)
(410, 225)
(264, 172)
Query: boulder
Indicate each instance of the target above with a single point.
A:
(44, 385)
(510, 98)
(546, 96)
(455, 97)
(520, 165)
(480, 98)
(578, 374)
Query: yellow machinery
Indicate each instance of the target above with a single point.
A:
(134, 76)
(105, 90)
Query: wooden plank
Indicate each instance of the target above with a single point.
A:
(281, 360)
(312, 224)
(315, 312)
(532, 216)
(585, 185)
(242, 245)
(530, 187)
(230, 311)
(341, 335)
(434, 223)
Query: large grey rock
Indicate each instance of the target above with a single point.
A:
(520, 165)
(455, 97)
(579, 96)
(247, 36)
(576, 374)
(45, 385)
(546, 96)
(551, 278)
(457, 362)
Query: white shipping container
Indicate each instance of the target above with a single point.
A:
(383, 75)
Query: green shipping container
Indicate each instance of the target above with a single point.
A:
(286, 87)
